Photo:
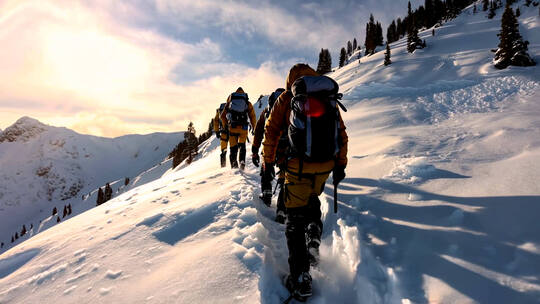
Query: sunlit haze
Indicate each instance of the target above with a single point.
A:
(111, 68)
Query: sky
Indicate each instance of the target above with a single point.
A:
(110, 68)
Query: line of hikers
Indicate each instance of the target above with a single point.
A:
(302, 133)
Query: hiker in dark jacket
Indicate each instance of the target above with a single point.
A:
(266, 180)
(304, 182)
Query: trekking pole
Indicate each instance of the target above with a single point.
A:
(335, 197)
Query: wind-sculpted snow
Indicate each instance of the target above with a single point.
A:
(482, 97)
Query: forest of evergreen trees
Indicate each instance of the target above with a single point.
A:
(430, 14)
(187, 149)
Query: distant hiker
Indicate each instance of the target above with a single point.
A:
(315, 151)
(266, 179)
(235, 115)
(100, 197)
(108, 192)
(222, 133)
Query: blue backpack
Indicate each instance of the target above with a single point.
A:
(237, 113)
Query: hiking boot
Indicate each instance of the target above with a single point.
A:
(234, 164)
(242, 165)
(280, 217)
(266, 197)
(300, 287)
(223, 158)
(313, 253)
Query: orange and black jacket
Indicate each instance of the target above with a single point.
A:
(279, 119)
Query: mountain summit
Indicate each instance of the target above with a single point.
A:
(23, 129)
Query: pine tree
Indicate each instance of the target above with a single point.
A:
(512, 50)
(325, 62)
(191, 139)
(518, 12)
(23, 230)
(54, 211)
(492, 9)
(430, 10)
(399, 28)
(354, 44)
(379, 39)
(485, 5)
(412, 38)
(342, 57)
(474, 9)
(328, 61)
(321, 62)
(387, 54)
(371, 36)
(349, 48)
(391, 33)
(58, 219)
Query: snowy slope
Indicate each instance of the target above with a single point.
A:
(440, 203)
(45, 167)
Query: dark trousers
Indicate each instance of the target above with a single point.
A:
(303, 226)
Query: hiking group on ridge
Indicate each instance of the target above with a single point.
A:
(302, 133)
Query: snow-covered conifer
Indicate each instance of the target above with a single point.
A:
(387, 60)
(512, 50)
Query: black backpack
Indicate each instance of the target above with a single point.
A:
(237, 113)
(314, 119)
(272, 100)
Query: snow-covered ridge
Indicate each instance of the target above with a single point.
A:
(44, 167)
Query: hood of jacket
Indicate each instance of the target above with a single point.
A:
(297, 71)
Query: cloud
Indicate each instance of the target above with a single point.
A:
(65, 64)
(115, 67)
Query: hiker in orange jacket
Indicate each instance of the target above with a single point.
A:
(235, 115)
(222, 132)
(305, 178)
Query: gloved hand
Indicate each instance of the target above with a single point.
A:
(255, 159)
(268, 171)
(338, 174)
(218, 135)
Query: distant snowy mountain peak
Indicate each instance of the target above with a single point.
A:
(45, 167)
(23, 129)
